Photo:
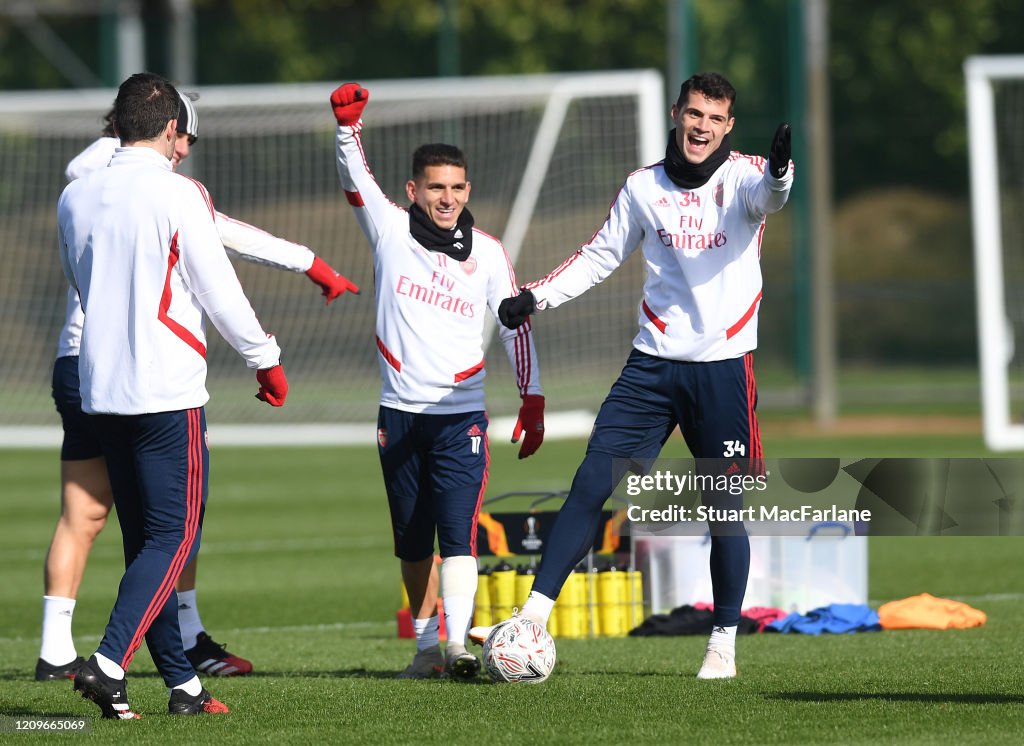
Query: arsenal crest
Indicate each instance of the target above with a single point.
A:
(468, 266)
(382, 437)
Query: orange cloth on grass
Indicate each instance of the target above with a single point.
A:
(928, 612)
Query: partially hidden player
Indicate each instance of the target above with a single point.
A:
(85, 488)
(139, 245)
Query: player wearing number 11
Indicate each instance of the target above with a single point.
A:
(699, 215)
(435, 276)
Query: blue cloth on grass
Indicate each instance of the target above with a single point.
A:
(834, 618)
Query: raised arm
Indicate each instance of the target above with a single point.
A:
(767, 190)
(370, 203)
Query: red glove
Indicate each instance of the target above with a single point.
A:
(273, 385)
(332, 283)
(530, 424)
(348, 101)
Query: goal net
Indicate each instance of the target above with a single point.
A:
(546, 156)
(995, 118)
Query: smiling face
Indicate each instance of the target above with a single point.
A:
(182, 148)
(701, 123)
(441, 192)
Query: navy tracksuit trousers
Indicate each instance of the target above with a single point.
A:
(159, 472)
(713, 404)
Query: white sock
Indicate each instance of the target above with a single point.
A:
(107, 666)
(58, 646)
(427, 632)
(537, 608)
(723, 638)
(458, 589)
(188, 618)
(192, 687)
(458, 611)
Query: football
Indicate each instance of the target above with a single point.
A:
(519, 651)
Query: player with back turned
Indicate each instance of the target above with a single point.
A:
(435, 276)
(86, 498)
(699, 216)
(139, 244)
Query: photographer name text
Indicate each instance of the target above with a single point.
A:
(803, 513)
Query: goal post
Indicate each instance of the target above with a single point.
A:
(546, 155)
(995, 129)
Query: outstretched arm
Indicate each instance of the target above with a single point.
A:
(258, 246)
(595, 260)
(587, 266)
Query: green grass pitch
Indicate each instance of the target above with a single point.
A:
(296, 573)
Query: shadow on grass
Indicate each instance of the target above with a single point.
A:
(938, 698)
(16, 712)
(351, 673)
(13, 674)
(345, 673)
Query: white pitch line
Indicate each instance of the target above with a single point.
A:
(983, 598)
(232, 547)
(289, 628)
(385, 624)
(989, 597)
(576, 423)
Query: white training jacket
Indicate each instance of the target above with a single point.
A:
(240, 239)
(430, 307)
(139, 244)
(702, 249)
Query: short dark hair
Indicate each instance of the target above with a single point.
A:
(711, 85)
(437, 154)
(145, 103)
(187, 124)
(108, 124)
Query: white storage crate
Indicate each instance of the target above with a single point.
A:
(826, 564)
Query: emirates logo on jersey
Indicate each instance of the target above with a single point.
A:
(382, 437)
(468, 266)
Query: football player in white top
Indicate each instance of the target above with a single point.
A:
(85, 488)
(698, 216)
(139, 244)
(436, 276)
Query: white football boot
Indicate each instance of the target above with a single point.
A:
(719, 663)
(477, 635)
(426, 664)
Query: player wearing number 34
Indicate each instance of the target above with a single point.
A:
(435, 276)
(699, 216)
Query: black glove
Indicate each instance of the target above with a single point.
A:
(513, 312)
(782, 149)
